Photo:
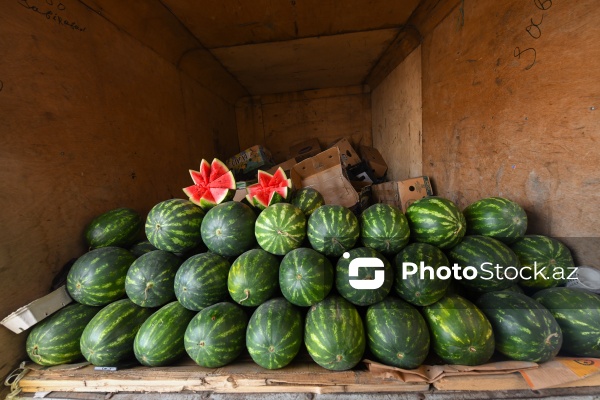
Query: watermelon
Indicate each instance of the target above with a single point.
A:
(384, 228)
(460, 332)
(332, 230)
(334, 334)
(108, 338)
(213, 184)
(98, 277)
(201, 281)
(578, 315)
(524, 329)
(159, 341)
(216, 335)
(228, 229)
(410, 287)
(269, 189)
(344, 279)
(174, 225)
(149, 281)
(545, 261)
(305, 277)
(308, 200)
(280, 228)
(253, 277)
(397, 334)
(119, 227)
(141, 248)
(494, 265)
(274, 333)
(496, 217)
(55, 340)
(436, 221)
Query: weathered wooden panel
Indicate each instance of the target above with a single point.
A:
(397, 119)
(280, 121)
(511, 108)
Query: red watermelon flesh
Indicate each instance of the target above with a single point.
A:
(213, 184)
(269, 189)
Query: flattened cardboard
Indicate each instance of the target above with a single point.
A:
(305, 149)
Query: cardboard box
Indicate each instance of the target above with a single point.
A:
(286, 165)
(348, 155)
(402, 193)
(245, 164)
(305, 149)
(374, 161)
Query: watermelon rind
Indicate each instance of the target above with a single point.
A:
(308, 200)
(280, 228)
(228, 229)
(437, 221)
(119, 227)
(253, 277)
(384, 228)
(497, 217)
(174, 225)
(270, 189)
(305, 277)
(213, 184)
(150, 278)
(332, 230)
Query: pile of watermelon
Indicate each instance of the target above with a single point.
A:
(275, 275)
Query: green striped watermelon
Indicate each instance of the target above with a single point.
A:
(397, 334)
(108, 338)
(496, 266)
(308, 200)
(55, 340)
(274, 333)
(201, 281)
(578, 315)
(332, 230)
(417, 291)
(149, 281)
(460, 332)
(305, 277)
(334, 334)
(497, 217)
(253, 277)
(436, 221)
(384, 228)
(228, 229)
(141, 248)
(213, 184)
(120, 227)
(524, 329)
(216, 335)
(546, 261)
(98, 277)
(280, 228)
(159, 341)
(174, 225)
(363, 297)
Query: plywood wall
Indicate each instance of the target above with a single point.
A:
(511, 107)
(91, 119)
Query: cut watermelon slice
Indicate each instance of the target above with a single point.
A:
(213, 184)
(269, 189)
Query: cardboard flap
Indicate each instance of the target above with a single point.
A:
(560, 371)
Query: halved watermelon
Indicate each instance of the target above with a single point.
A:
(213, 184)
(269, 189)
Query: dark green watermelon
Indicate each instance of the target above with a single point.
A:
(496, 217)
(578, 315)
(494, 265)
(410, 287)
(305, 277)
(436, 221)
(228, 229)
(332, 230)
(384, 228)
(108, 338)
(119, 227)
(216, 335)
(274, 333)
(55, 340)
(397, 334)
(334, 334)
(460, 332)
(524, 329)
(98, 277)
(280, 228)
(159, 341)
(253, 277)
(546, 262)
(308, 200)
(201, 281)
(344, 281)
(141, 248)
(149, 281)
(174, 225)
